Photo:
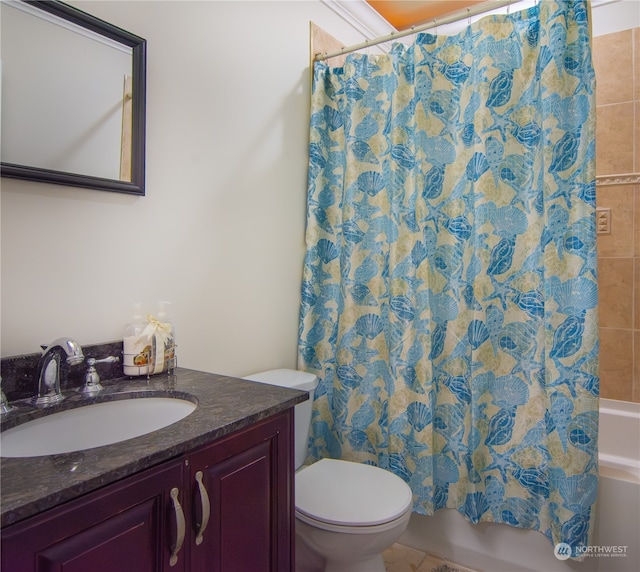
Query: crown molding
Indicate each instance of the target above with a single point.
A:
(360, 16)
(364, 19)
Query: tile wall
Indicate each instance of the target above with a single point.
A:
(616, 59)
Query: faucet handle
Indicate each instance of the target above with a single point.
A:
(109, 359)
(92, 383)
(4, 403)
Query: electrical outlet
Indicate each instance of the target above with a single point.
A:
(603, 220)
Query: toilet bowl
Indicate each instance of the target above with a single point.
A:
(347, 513)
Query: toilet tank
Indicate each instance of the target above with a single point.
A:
(302, 412)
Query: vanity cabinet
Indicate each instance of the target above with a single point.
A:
(250, 488)
(120, 527)
(227, 507)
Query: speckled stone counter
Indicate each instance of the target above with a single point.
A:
(225, 404)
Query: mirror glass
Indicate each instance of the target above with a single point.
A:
(73, 98)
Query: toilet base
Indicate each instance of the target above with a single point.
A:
(373, 564)
(309, 561)
(319, 550)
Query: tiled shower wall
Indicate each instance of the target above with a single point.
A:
(616, 60)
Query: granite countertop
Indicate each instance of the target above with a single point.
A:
(225, 404)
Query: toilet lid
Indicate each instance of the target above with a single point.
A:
(350, 494)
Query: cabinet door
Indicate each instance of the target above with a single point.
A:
(249, 484)
(126, 526)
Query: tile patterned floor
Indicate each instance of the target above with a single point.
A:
(401, 558)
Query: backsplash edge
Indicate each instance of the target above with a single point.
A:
(19, 372)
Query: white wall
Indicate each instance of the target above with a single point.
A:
(221, 231)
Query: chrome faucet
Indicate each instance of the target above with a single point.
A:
(48, 372)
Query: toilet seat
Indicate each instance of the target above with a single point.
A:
(350, 529)
(337, 495)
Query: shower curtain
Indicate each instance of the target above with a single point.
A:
(449, 295)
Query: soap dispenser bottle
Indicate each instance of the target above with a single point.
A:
(136, 346)
(162, 334)
(170, 345)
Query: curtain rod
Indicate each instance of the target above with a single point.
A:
(448, 19)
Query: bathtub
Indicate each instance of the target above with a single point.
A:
(500, 548)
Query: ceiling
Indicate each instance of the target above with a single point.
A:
(403, 14)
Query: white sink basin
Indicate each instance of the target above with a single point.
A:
(92, 426)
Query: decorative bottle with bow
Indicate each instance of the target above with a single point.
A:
(136, 346)
(161, 333)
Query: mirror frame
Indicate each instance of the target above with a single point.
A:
(138, 117)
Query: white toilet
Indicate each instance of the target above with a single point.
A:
(347, 513)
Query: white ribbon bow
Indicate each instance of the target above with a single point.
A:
(158, 329)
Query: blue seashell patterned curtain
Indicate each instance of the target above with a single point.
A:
(449, 295)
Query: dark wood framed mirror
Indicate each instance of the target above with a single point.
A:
(73, 98)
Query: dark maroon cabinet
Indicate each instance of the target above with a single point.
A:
(226, 507)
(250, 486)
(120, 527)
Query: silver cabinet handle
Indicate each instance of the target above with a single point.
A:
(180, 527)
(206, 510)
